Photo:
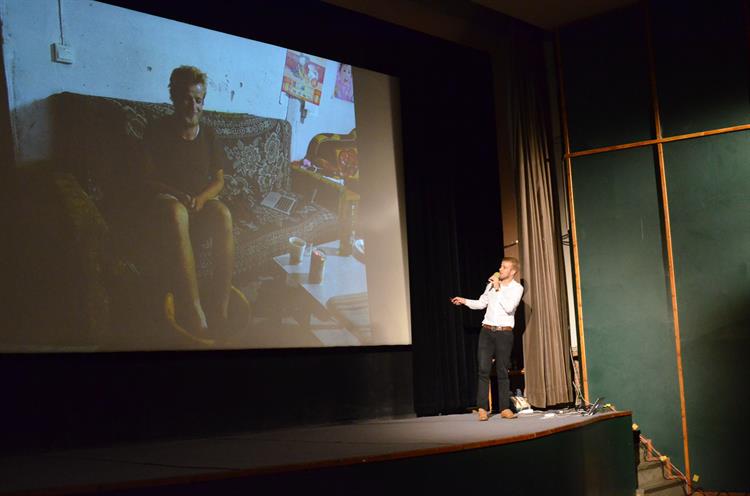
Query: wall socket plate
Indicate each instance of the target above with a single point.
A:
(63, 54)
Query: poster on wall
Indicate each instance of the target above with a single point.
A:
(344, 89)
(303, 76)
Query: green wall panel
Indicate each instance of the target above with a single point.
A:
(627, 315)
(701, 53)
(703, 82)
(709, 202)
(607, 88)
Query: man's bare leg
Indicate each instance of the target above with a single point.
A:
(218, 222)
(179, 250)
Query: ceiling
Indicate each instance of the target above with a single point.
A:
(550, 14)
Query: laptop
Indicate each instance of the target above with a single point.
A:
(281, 202)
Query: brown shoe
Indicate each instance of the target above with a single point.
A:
(507, 414)
(483, 414)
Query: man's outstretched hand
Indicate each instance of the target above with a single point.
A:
(457, 300)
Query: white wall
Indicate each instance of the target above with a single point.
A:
(125, 54)
(331, 116)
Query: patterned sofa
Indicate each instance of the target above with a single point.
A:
(98, 140)
(97, 157)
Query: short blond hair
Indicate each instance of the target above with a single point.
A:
(513, 261)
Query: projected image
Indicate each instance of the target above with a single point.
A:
(205, 192)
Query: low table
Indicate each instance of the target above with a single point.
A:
(342, 293)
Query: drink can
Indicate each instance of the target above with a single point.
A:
(317, 264)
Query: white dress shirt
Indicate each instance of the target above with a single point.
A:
(501, 304)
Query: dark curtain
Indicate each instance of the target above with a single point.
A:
(453, 219)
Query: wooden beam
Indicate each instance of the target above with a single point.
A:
(572, 213)
(668, 234)
(658, 141)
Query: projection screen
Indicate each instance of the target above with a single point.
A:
(258, 208)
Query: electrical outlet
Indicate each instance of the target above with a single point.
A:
(63, 54)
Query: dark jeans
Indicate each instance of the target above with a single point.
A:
(497, 344)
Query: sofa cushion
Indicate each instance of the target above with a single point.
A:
(257, 148)
(267, 235)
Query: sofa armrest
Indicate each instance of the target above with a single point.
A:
(56, 262)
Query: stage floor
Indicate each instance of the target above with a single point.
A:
(245, 454)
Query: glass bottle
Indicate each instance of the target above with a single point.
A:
(345, 230)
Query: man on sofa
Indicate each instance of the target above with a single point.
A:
(184, 175)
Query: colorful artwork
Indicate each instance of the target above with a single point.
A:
(344, 84)
(347, 162)
(303, 76)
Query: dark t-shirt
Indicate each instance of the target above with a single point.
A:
(188, 166)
